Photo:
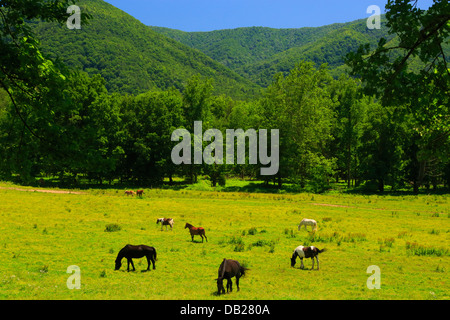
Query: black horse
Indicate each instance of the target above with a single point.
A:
(130, 252)
(227, 270)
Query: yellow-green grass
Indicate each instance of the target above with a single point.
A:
(42, 234)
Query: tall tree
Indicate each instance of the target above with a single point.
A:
(350, 112)
(197, 102)
(386, 71)
(23, 68)
(300, 106)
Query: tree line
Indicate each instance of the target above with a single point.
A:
(329, 131)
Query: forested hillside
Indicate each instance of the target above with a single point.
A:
(130, 56)
(258, 53)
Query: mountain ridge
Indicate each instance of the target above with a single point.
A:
(253, 51)
(130, 56)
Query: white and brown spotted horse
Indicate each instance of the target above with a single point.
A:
(165, 222)
(306, 252)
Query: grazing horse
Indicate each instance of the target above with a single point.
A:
(308, 222)
(129, 193)
(196, 231)
(130, 252)
(140, 193)
(306, 252)
(227, 270)
(165, 222)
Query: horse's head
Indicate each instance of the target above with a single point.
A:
(220, 288)
(293, 259)
(187, 225)
(118, 264)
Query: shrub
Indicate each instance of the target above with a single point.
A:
(112, 227)
(419, 250)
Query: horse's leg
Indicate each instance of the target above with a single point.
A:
(237, 282)
(192, 236)
(148, 262)
(230, 285)
(317, 258)
(153, 260)
(205, 237)
(128, 264)
(132, 264)
(312, 259)
(302, 266)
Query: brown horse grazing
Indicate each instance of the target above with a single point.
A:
(306, 252)
(140, 193)
(196, 231)
(129, 193)
(130, 252)
(227, 270)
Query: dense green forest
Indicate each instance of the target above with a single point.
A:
(101, 103)
(258, 53)
(131, 57)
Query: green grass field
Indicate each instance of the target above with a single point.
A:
(42, 234)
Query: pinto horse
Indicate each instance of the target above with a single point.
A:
(306, 252)
(227, 270)
(308, 222)
(165, 222)
(196, 231)
(130, 252)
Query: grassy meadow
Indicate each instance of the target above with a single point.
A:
(42, 234)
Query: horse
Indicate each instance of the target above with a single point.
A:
(165, 222)
(227, 270)
(308, 222)
(196, 231)
(140, 193)
(306, 252)
(129, 193)
(130, 252)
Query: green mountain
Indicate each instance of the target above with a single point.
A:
(132, 57)
(258, 53)
(330, 49)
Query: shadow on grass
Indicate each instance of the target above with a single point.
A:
(233, 185)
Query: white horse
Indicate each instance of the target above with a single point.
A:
(308, 222)
(165, 222)
(306, 252)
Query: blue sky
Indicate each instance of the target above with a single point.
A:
(207, 15)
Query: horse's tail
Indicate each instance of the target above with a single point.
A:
(323, 250)
(243, 270)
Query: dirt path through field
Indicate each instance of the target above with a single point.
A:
(44, 190)
(332, 205)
